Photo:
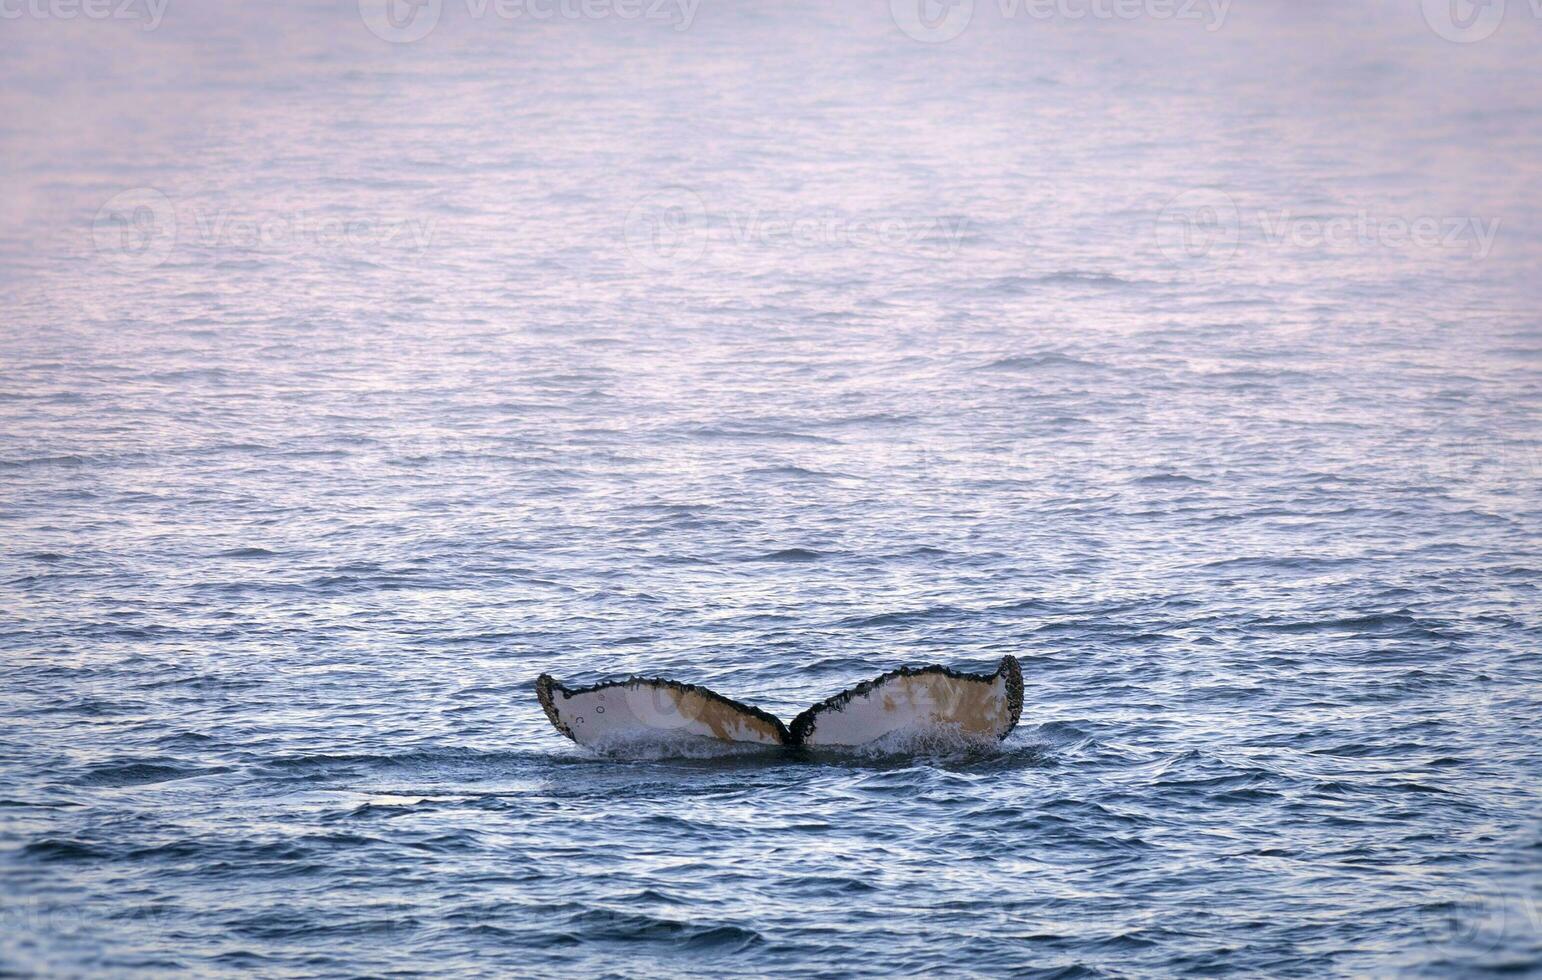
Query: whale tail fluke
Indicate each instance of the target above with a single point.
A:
(922, 702)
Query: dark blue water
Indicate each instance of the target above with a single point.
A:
(769, 354)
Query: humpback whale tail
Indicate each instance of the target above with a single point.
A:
(922, 701)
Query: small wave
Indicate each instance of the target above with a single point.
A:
(798, 472)
(870, 419)
(204, 683)
(1382, 624)
(247, 553)
(1063, 734)
(1019, 285)
(638, 927)
(755, 434)
(143, 774)
(405, 760)
(1271, 563)
(55, 849)
(1037, 362)
(66, 460)
(902, 617)
(792, 555)
(1168, 480)
(290, 926)
(311, 454)
(1079, 277)
(1028, 605)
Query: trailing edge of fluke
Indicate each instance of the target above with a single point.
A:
(918, 700)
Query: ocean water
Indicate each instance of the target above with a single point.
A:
(350, 382)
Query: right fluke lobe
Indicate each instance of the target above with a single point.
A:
(918, 701)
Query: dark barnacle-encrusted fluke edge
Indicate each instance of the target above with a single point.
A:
(546, 684)
(1014, 671)
(543, 688)
(803, 725)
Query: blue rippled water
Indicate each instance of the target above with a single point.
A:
(349, 384)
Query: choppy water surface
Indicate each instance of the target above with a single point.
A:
(769, 354)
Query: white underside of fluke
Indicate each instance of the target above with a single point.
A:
(642, 709)
(926, 703)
